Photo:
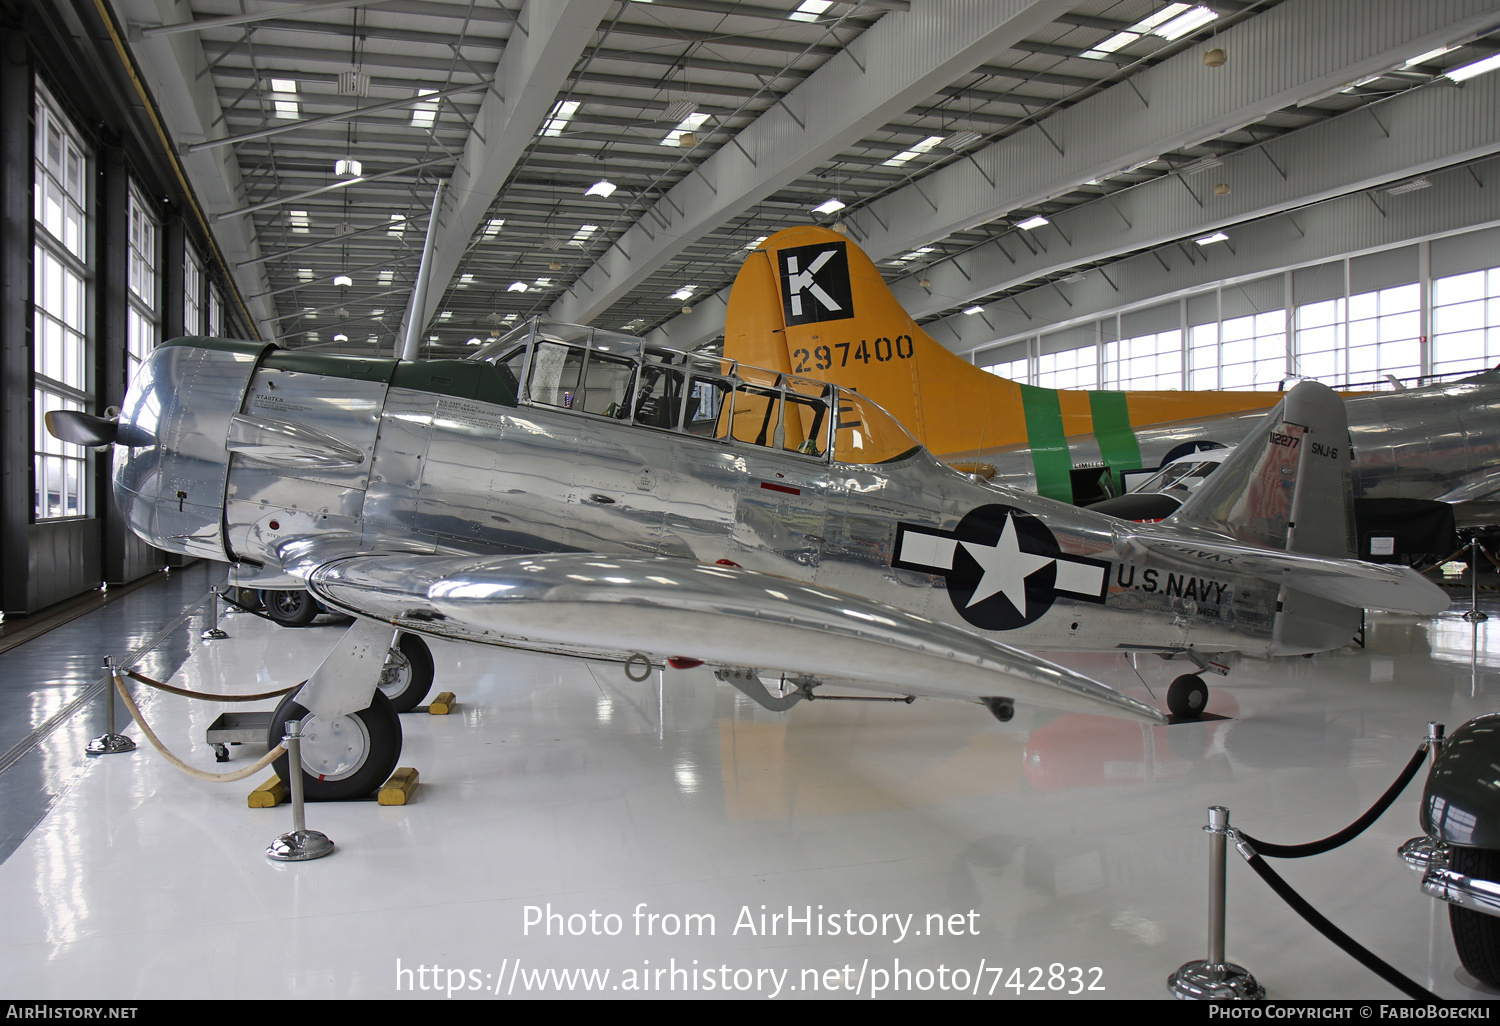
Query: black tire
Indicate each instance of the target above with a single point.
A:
(406, 680)
(1476, 935)
(290, 608)
(1187, 697)
(351, 760)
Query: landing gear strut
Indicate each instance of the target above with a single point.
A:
(1187, 696)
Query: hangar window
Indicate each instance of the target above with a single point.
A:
(1466, 322)
(1145, 362)
(192, 292)
(143, 328)
(1074, 368)
(62, 269)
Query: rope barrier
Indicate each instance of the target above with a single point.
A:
(1320, 923)
(1353, 830)
(185, 693)
(215, 778)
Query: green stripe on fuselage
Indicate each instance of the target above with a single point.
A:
(1049, 446)
(1118, 446)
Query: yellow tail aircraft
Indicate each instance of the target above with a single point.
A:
(809, 302)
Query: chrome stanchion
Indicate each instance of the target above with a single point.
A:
(1427, 852)
(301, 844)
(1474, 615)
(214, 633)
(1215, 979)
(110, 743)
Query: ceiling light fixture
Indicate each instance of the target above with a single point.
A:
(1411, 186)
(1468, 71)
(828, 206)
(1215, 237)
(1032, 223)
(916, 151)
(1423, 58)
(343, 281)
(517, 286)
(975, 309)
(348, 167)
(603, 187)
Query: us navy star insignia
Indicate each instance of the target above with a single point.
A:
(1004, 568)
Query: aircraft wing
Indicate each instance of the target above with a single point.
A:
(1350, 582)
(611, 606)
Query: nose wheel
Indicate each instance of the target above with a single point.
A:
(1187, 696)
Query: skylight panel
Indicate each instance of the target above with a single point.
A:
(581, 236)
(809, 10)
(916, 151)
(691, 123)
(284, 93)
(1171, 22)
(424, 114)
(298, 220)
(492, 227)
(562, 113)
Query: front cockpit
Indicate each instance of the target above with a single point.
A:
(618, 377)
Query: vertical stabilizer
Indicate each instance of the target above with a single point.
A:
(1289, 487)
(809, 301)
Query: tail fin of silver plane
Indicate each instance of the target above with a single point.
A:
(1288, 486)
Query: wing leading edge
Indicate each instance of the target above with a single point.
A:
(610, 607)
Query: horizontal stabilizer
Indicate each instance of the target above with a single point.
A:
(610, 607)
(1349, 582)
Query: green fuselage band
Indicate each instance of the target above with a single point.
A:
(1118, 446)
(1049, 446)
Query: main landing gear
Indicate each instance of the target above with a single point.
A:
(351, 734)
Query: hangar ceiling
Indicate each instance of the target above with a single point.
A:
(940, 125)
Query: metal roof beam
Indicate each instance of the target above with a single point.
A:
(901, 60)
(1296, 51)
(532, 73)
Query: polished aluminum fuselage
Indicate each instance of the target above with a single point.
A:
(281, 464)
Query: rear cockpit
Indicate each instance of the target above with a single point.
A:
(617, 377)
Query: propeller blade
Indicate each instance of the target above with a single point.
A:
(82, 428)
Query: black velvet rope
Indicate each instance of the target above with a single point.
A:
(1353, 830)
(1348, 944)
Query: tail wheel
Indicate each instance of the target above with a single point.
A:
(343, 757)
(1476, 935)
(1187, 696)
(407, 675)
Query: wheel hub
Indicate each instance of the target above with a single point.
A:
(333, 749)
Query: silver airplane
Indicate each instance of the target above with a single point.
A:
(573, 491)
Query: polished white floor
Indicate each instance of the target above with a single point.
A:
(1072, 844)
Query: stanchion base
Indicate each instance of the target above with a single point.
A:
(213, 634)
(110, 744)
(1205, 981)
(1423, 853)
(1476, 616)
(300, 846)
